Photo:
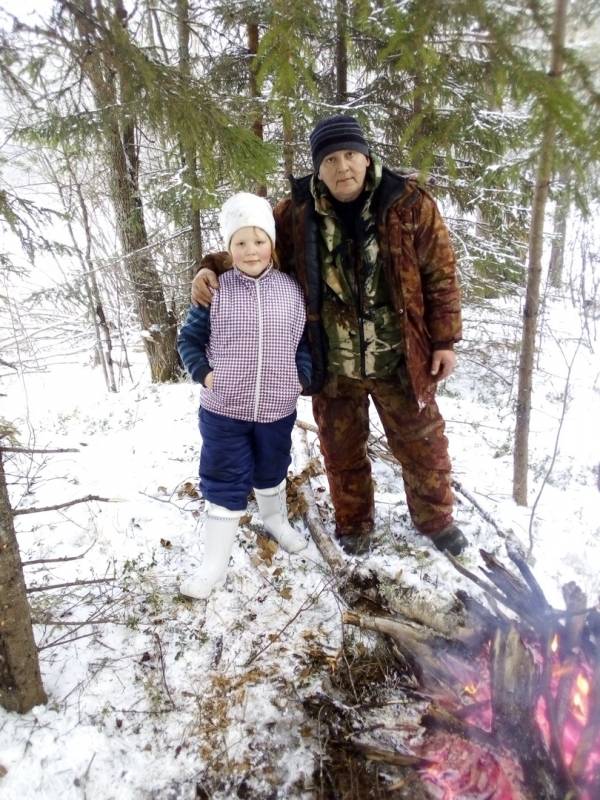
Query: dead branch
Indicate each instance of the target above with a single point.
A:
(519, 561)
(307, 426)
(78, 623)
(32, 589)
(65, 641)
(487, 588)
(437, 718)
(320, 536)
(308, 603)
(556, 441)
(162, 668)
(39, 509)
(395, 757)
(485, 514)
(418, 645)
(570, 643)
(33, 450)
(55, 560)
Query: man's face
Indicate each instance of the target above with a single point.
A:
(343, 172)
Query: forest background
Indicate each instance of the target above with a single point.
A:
(126, 125)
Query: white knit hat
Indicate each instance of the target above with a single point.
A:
(244, 210)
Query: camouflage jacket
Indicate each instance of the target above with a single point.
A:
(364, 332)
(418, 262)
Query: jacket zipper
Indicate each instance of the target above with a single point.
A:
(354, 258)
(259, 356)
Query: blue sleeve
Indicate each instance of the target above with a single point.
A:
(304, 361)
(193, 341)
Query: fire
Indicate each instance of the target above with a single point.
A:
(579, 704)
(465, 769)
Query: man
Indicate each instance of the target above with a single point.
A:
(374, 258)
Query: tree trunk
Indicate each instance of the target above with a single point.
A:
(341, 52)
(532, 299)
(257, 125)
(561, 215)
(110, 88)
(188, 154)
(20, 680)
(158, 324)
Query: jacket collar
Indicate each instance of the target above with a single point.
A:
(248, 278)
(387, 189)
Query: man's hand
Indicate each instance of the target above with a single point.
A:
(203, 286)
(210, 378)
(442, 364)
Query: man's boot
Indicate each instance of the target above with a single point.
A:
(272, 504)
(451, 539)
(219, 535)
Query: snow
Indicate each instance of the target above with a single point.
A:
(168, 698)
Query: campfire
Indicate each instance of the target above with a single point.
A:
(461, 768)
(498, 701)
(514, 696)
(510, 696)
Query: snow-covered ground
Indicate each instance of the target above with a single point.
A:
(154, 696)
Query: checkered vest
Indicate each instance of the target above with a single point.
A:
(255, 327)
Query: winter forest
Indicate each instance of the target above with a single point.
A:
(405, 672)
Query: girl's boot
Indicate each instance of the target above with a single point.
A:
(219, 535)
(272, 505)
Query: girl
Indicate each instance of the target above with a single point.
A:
(250, 354)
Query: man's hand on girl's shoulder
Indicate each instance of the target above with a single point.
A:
(204, 284)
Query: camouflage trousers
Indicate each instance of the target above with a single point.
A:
(415, 437)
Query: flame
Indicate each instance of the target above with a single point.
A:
(579, 701)
(583, 684)
(460, 769)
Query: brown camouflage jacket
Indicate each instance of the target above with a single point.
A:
(418, 260)
(419, 265)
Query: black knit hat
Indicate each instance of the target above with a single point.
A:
(336, 133)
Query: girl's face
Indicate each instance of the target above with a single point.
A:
(250, 250)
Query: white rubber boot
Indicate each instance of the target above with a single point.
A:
(272, 504)
(219, 535)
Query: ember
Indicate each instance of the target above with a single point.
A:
(466, 771)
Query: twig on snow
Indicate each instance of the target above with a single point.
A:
(32, 589)
(54, 560)
(39, 509)
(485, 514)
(162, 668)
(310, 601)
(30, 450)
(65, 641)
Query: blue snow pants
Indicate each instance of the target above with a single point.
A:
(237, 455)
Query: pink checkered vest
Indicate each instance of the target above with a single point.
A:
(256, 325)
